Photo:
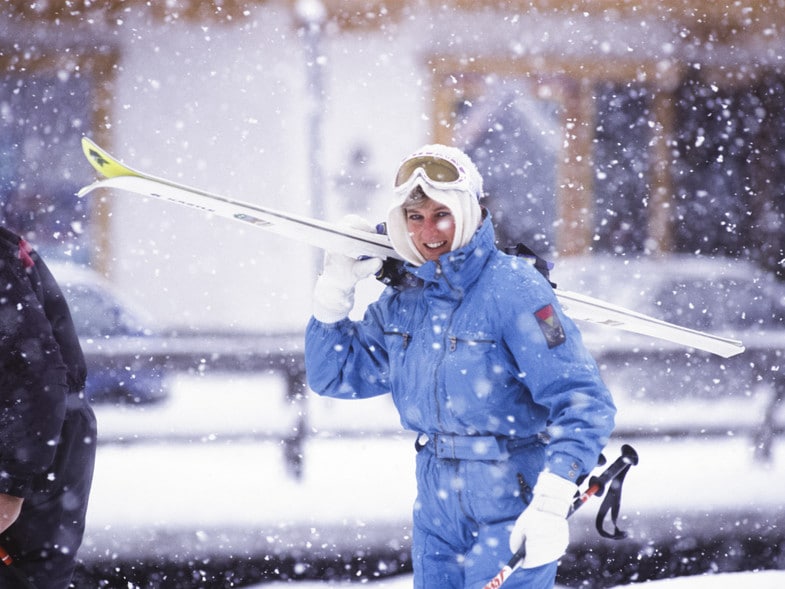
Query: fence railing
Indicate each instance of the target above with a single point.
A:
(283, 356)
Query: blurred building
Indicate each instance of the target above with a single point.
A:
(609, 126)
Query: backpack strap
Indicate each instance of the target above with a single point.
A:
(393, 272)
(524, 251)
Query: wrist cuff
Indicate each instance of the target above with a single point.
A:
(553, 494)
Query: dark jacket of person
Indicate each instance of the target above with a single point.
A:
(41, 363)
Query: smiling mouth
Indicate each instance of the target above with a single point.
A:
(436, 245)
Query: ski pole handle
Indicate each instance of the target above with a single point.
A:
(507, 570)
(629, 457)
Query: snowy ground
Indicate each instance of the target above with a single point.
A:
(204, 474)
(758, 580)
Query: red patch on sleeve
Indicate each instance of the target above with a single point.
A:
(551, 326)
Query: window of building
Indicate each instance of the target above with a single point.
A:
(42, 118)
(621, 159)
(49, 98)
(515, 145)
(729, 177)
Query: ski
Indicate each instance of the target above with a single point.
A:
(352, 242)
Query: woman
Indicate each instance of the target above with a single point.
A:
(482, 363)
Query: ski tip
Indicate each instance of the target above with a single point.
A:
(85, 190)
(734, 348)
(103, 162)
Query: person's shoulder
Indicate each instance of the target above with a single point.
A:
(9, 243)
(399, 295)
(514, 281)
(8, 237)
(509, 267)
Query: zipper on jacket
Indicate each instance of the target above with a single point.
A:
(455, 339)
(405, 337)
(439, 363)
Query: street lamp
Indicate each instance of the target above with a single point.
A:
(311, 15)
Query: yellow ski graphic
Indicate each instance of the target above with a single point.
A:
(103, 162)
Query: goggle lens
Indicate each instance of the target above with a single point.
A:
(437, 170)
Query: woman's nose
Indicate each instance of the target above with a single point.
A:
(433, 225)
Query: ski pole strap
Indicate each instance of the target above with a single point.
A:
(612, 504)
(614, 475)
(619, 468)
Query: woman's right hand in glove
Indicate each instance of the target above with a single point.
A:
(333, 296)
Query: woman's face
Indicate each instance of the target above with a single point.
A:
(431, 226)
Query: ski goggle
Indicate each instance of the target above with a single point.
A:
(434, 171)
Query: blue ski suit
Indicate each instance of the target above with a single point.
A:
(482, 363)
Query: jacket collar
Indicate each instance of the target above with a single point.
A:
(459, 269)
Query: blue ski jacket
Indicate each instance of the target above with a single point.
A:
(480, 348)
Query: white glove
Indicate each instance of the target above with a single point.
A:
(333, 295)
(543, 524)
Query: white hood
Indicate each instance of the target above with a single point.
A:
(462, 202)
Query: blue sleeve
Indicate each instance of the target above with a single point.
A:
(561, 376)
(347, 360)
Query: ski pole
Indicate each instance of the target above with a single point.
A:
(628, 458)
(15, 572)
